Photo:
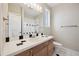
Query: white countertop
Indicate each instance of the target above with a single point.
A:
(11, 48)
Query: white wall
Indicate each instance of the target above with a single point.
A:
(66, 14)
(1, 29)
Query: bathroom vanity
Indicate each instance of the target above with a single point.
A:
(43, 49)
(41, 46)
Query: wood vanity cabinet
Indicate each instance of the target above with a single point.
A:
(50, 47)
(44, 49)
(40, 50)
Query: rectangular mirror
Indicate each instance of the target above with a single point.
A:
(33, 19)
(14, 12)
(25, 19)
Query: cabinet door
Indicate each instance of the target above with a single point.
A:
(24, 53)
(42, 52)
(50, 48)
(38, 48)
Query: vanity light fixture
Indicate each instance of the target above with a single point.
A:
(34, 6)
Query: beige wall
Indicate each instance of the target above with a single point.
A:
(62, 15)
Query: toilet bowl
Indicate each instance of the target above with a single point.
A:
(59, 48)
(57, 45)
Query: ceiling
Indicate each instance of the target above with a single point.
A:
(53, 4)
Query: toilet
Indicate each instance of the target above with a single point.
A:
(58, 48)
(57, 44)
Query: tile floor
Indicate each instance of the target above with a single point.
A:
(62, 51)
